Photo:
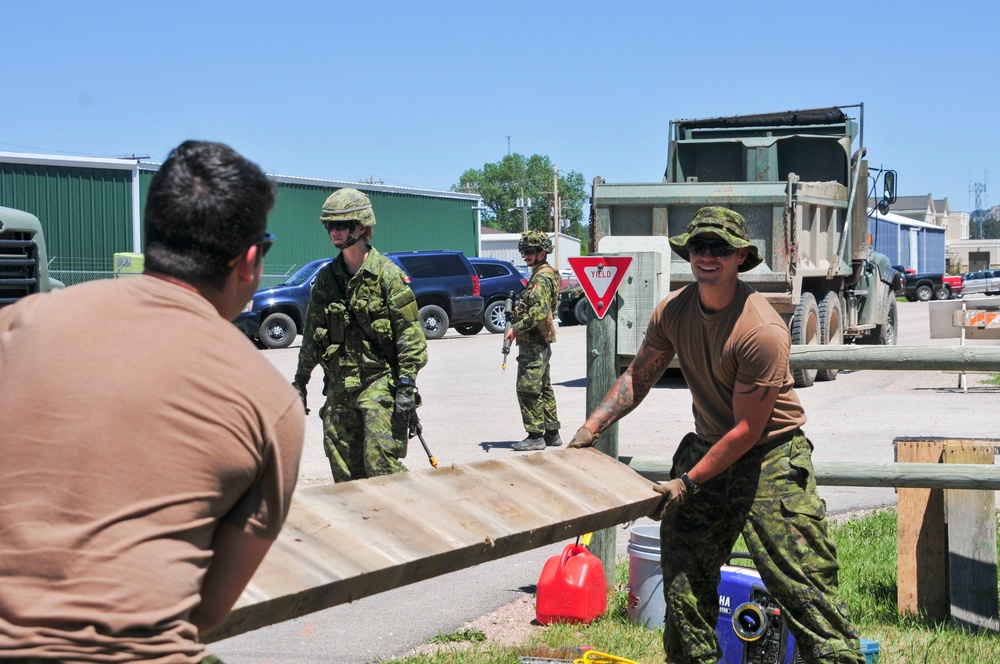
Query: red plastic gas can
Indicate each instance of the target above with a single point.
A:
(572, 587)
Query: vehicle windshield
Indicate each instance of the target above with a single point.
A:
(300, 276)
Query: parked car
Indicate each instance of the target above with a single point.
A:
(955, 285)
(986, 282)
(276, 314)
(446, 287)
(573, 307)
(497, 279)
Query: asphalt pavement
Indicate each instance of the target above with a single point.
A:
(470, 413)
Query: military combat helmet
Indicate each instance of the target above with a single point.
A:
(536, 239)
(348, 205)
(728, 224)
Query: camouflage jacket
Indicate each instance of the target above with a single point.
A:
(536, 305)
(360, 327)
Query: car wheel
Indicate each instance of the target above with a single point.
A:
(805, 332)
(494, 317)
(469, 329)
(831, 329)
(582, 311)
(434, 320)
(924, 293)
(942, 293)
(277, 331)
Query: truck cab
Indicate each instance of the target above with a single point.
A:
(24, 267)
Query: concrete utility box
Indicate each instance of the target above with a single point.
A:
(128, 265)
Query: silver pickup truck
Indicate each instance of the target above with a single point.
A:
(981, 281)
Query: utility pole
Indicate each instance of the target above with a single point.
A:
(555, 217)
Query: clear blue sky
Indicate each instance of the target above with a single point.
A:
(414, 93)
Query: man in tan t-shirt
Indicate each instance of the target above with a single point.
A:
(145, 469)
(747, 468)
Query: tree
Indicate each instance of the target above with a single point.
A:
(991, 228)
(515, 177)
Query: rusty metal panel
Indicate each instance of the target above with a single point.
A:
(351, 540)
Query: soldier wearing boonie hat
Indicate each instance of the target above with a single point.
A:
(725, 224)
(746, 469)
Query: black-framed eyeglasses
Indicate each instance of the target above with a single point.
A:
(264, 243)
(338, 226)
(713, 248)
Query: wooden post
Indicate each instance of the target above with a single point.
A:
(602, 371)
(972, 547)
(947, 540)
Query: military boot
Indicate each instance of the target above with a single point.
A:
(533, 442)
(552, 438)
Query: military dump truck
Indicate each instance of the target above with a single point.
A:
(23, 263)
(801, 181)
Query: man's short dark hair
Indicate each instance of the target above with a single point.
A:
(206, 205)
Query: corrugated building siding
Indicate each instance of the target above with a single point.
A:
(86, 213)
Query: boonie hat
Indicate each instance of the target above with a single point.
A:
(728, 225)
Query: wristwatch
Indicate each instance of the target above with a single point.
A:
(690, 484)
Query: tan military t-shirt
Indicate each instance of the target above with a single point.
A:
(746, 342)
(132, 419)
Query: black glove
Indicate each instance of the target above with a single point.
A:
(299, 384)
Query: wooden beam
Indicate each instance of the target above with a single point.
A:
(848, 473)
(347, 541)
(894, 358)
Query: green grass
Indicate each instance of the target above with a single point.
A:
(994, 379)
(866, 548)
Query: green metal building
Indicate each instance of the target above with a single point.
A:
(91, 209)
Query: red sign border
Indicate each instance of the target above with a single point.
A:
(579, 265)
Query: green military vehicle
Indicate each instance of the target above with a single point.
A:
(801, 181)
(23, 262)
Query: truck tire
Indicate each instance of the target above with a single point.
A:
(805, 332)
(277, 331)
(434, 320)
(942, 293)
(924, 292)
(831, 329)
(888, 332)
(582, 311)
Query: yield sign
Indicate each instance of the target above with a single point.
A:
(600, 277)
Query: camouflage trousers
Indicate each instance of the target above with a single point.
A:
(534, 387)
(769, 496)
(362, 435)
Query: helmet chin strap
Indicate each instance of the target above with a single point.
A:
(351, 238)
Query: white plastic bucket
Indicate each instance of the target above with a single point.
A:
(646, 605)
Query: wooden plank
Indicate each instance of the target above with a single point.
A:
(347, 541)
(922, 556)
(972, 547)
(896, 358)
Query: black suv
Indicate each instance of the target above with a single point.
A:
(446, 287)
(497, 279)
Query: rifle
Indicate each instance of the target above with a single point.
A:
(508, 313)
(414, 429)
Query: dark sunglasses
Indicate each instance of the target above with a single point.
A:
(713, 248)
(264, 243)
(529, 252)
(338, 225)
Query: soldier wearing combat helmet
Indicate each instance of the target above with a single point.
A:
(535, 332)
(362, 327)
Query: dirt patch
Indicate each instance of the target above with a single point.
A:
(511, 625)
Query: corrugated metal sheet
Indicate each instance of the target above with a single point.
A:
(86, 213)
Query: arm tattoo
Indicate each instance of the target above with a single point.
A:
(764, 390)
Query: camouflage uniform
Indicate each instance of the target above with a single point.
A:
(535, 332)
(769, 495)
(365, 331)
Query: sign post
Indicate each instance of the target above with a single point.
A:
(600, 277)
